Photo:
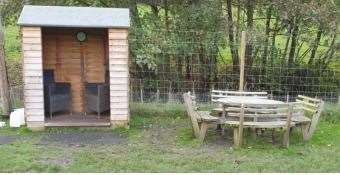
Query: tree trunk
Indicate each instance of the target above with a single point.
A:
(287, 43)
(249, 47)
(297, 54)
(179, 77)
(4, 91)
(238, 21)
(330, 52)
(249, 7)
(274, 39)
(187, 69)
(166, 11)
(266, 41)
(233, 47)
(188, 72)
(293, 44)
(315, 46)
(135, 14)
(202, 59)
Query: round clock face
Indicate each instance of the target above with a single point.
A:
(81, 36)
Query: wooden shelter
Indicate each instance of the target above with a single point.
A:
(79, 45)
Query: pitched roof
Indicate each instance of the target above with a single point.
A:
(59, 16)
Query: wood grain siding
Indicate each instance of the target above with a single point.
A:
(32, 75)
(119, 75)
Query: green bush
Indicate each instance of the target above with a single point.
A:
(14, 69)
(331, 113)
(13, 55)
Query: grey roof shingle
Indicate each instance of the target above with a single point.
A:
(59, 16)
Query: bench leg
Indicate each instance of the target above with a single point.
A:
(273, 136)
(238, 137)
(286, 138)
(254, 132)
(236, 142)
(304, 130)
(203, 131)
(218, 127)
(222, 131)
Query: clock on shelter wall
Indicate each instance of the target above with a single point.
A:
(81, 36)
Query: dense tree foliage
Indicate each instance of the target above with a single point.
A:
(176, 42)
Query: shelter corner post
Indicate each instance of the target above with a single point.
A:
(119, 77)
(33, 78)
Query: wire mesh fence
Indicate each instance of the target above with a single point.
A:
(165, 64)
(16, 96)
(281, 83)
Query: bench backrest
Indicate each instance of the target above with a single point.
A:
(217, 94)
(314, 107)
(264, 116)
(190, 104)
(191, 108)
(309, 104)
(265, 112)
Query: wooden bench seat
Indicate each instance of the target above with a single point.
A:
(264, 116)
(264, 125)
(312, 108)
(217, 94)
(201, 120)
(301, 119)
(219, 110)
(205, 116)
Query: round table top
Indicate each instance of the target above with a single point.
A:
(248, 100)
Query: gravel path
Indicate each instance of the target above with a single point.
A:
(7, 139)
(83, 138)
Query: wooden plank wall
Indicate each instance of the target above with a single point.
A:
(63, 53)
(119, 75)
(32, 75)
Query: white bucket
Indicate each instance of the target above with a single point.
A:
(17, 118)
(2, 124)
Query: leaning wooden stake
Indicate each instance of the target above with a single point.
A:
(242, 60)
(4, 91)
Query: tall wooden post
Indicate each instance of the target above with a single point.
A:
(242, 60)
(4, 91)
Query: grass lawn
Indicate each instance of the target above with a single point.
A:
(160, 140)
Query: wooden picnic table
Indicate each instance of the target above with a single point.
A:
(238, 101)
(263, 113)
